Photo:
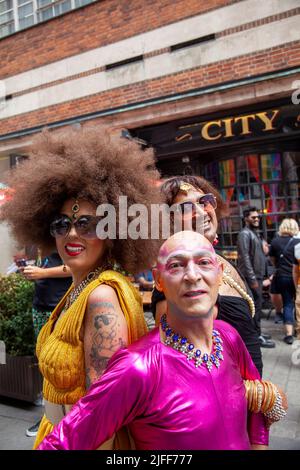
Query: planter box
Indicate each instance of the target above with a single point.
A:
(20, 378)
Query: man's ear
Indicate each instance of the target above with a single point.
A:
(157, 279)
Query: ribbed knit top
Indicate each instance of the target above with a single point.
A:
(61, 351)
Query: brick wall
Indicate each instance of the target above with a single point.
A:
(95, 25)
(244, 66)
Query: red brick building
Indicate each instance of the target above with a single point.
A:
(213, 86)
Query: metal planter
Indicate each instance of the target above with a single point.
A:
(20, 378)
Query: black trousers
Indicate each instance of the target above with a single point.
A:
(257, 297)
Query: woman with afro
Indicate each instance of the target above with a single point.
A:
(56, 194)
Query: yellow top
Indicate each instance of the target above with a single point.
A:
(61, 351)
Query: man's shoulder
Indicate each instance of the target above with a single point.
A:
(244, 233)
(139, 351)
(246, 230)
(228, 332)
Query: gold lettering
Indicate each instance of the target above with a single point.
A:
(245, 123)
(205, 128)
(228, 127)
(268, 121)
(183, 137)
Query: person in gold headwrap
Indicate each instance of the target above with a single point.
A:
(56, 194)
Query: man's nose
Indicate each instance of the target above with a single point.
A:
(192, 272)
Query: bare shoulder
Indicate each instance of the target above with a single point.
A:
(102, 292)
(231, 271)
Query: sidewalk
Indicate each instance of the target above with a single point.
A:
(16, 416)
(282, 367)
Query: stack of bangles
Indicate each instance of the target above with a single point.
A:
(264, 397)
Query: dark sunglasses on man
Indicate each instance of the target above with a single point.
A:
(85, 226)
(208, 202)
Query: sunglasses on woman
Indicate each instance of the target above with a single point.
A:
(208, 202)
(85, 226)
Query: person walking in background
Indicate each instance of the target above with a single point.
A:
(52, 280)
(145, 280)
(252, 264)
(282, 256)
(296, 278)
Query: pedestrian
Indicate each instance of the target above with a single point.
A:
(182, 384)
(145, 280)
(51, 282)
(197, 202)
(282, 256)
(296, 278)
(253, 265)
(57, 192)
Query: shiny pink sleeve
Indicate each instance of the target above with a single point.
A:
(257, 428)
(112, 401)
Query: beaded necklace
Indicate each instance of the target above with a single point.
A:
(180, 343)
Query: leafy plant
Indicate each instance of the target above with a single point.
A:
(16, 328)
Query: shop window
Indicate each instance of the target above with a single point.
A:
(212, 173)
(269, 182)
(227, 172)
(248, 169)
(271, 166)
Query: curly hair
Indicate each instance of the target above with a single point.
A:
(170, 189)
(90, 164)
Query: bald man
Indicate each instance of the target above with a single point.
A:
(180, 386)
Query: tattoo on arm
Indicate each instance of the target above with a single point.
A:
(105, 340)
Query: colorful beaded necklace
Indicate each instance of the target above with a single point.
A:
(180, 343)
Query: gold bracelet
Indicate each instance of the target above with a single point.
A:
(259, 396)
(265, 395)
(274, 395)
(251, 397)
(269, 397)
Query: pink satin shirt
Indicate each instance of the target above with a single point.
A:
(166, 401)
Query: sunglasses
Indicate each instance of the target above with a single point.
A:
(85, 226)
(207, 201)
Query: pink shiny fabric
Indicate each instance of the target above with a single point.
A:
(167, 402)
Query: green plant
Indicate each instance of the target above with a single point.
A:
(16, 328)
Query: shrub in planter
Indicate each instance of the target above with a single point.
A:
(16, 329)
(19, 377)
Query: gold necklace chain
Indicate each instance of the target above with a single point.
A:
(227, 279)
(76, 291)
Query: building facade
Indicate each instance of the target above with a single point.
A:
(213, 86)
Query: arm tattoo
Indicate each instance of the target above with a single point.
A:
(105, 340)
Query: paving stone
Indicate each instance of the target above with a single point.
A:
(285, 428)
